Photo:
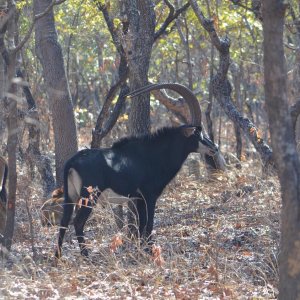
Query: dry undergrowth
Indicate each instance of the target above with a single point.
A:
(219, 240)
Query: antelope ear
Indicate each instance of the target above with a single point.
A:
(188, 131)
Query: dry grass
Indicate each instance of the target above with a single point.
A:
(219, 240)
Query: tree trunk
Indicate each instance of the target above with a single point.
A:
(2, 110)
(127, 53)
(139, 40)
(184, 37)
(12, 141)
(50, 55)
(12, 128)
(295, 85)
(283, 143)
(236, 74)
(208, 110)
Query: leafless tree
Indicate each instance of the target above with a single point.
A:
(284, 147)
(221, 87)
(50, 55)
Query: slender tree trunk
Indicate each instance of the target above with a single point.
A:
(284, 147)
(12, 128)
(296, 72)
(50, 55)
(209, 122)
(12, 141)
(184, 36)
(139, 40)
(2, 110)
(235, 71)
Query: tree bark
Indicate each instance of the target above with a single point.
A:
(208, 110)
(139, 40)
(12, 141)
(237, 88)
(12, 127)
(184, 37)
(50, 55)
(295, 84)
(2, 109)
(121, 45)
(138, 45)
(284, 146)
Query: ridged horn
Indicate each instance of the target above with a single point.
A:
(183, 91)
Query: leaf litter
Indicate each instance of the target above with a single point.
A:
(215, 238)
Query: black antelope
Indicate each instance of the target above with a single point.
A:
(134, 167)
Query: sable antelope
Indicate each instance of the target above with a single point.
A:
(134, 167)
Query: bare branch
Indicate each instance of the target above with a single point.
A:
(99, 132)
(238, 3)
(171, 6)
(173, 14)
(221, 87)
(208, 25)
(111, 27)
(255, 7)
(35, 18)
(98, 136)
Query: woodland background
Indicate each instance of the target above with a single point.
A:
(64, 70)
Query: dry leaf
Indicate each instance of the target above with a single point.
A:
(115, 243)
(156, 253)
(213, 271)
(216, 21)
(252, 130)
(246, 253)
(238, 226)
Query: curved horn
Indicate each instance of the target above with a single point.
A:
(183, 91)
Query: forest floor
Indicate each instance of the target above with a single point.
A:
(218, 239)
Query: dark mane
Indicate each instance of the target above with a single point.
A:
(160, 134)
